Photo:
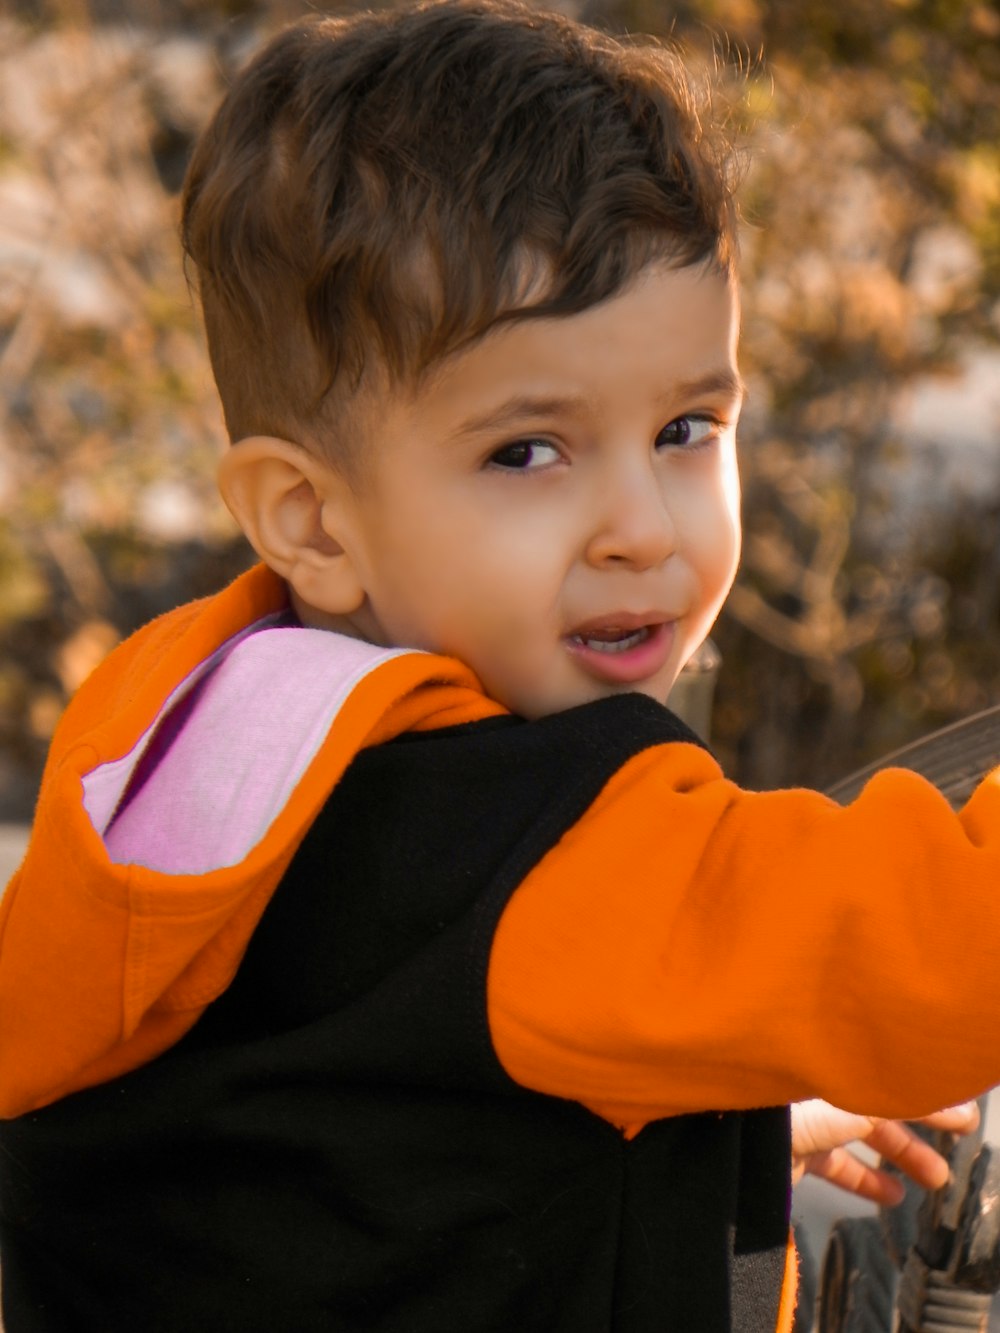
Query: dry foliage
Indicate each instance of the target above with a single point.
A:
(869, 605)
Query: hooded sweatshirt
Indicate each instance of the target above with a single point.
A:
(333, 995)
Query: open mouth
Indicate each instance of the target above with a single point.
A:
(613, 640)
(623, 654)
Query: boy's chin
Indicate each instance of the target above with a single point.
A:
(534, 707)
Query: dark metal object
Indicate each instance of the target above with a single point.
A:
(858, 1285)
(953, 1267)
(954, 758)
(932, 1265)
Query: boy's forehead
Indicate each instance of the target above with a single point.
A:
(684, 323)
(659, 295)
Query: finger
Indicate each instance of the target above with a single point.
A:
(962, 1119)
(817, 1126)
(840, 1168)
(916, 1159)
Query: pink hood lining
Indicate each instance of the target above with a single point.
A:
(227, 749)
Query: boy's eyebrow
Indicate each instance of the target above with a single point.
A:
(726, 382)
(524, 405)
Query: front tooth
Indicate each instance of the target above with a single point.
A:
(616, 645)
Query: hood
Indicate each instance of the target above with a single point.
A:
(179, 784)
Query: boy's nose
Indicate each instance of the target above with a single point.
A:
(636, 527)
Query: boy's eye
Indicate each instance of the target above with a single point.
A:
(687, 432)
(524, 455)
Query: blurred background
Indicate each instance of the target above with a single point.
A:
(868, 609)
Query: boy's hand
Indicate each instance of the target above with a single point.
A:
(820, 1133)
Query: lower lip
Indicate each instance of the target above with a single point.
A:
(638, 663)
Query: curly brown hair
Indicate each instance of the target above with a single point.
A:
(375, 192)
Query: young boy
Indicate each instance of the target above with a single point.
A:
(386, 955)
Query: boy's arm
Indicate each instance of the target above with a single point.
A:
(690, 945)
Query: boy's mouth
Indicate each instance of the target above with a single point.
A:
(613, 640)
(623, 653)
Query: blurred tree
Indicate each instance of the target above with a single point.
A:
(867, 610)
(867, 607)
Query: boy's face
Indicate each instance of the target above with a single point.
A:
(558, 506)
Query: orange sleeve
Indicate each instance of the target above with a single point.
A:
(690, 946)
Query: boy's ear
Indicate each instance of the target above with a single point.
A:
(293, 509)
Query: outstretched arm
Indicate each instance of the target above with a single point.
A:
(691, 946)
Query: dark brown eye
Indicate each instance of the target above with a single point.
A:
(685, 431)
(524, 455)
